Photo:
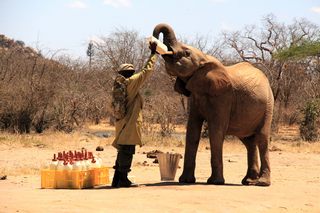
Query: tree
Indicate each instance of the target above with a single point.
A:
(90, 52)
(261, 45)
(299, 51)
(121, 46)
(308, 127)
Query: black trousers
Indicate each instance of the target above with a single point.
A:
(124, 158)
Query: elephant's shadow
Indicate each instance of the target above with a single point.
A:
(169, 183)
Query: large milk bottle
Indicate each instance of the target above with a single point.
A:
(95, 164)
(98, 159)
(162, 49)
(54, 163)
(87, 162)
(67, 166)
(60, 165)
(77, 165)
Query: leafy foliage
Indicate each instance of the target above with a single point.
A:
(308, 127)
(299, 51)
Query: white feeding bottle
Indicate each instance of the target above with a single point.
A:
(77, 166)
(95, 164)
(87, 162)
(54, 163)
(67, 166)
(60, 165)
(98, 159)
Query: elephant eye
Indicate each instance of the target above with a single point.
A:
(187, 53)
(178, 55)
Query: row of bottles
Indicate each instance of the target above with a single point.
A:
(75, 160)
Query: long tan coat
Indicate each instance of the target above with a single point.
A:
(128, 129)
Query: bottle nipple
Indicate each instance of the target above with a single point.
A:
(54, 157)
(93, 160)
(90, 155)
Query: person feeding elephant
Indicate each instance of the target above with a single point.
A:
(127, 105)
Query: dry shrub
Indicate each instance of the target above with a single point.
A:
(160, 115)
(308, 126)
(38, 93)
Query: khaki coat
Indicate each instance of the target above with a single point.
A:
(128, 129)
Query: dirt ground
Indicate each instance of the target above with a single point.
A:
(295, 179)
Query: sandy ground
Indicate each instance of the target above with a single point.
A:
(295, 181)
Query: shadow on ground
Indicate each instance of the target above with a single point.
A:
(159, 184)
(187, 184)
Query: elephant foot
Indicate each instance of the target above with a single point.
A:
(251, 178)
(215, 181)
(248, 181)
(187, 179)
(264, 180)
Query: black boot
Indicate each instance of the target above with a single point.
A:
(124, 158)
(116, 176)
(124, 181)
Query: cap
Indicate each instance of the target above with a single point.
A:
(124, 67)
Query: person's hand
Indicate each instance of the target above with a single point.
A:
(153, 47)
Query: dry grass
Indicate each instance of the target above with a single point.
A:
(18, 163)
(287, 139)
(52, 140)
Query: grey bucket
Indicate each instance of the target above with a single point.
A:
(168, 165)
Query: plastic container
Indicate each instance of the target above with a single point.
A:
(162, 49)
(74, 170)
(74, 179)
(100, 176)
(168, 165)
(48, 179)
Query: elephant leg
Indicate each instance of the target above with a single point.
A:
(216, 135)
(192, 142)
(252, 175)
(263, 142)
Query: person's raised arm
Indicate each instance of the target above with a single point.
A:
(137, 80)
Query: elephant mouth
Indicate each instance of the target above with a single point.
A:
(173, 58)
(174, 67)
(168, 58)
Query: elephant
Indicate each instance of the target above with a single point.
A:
(235, 100)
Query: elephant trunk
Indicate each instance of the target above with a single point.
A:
(169, 38)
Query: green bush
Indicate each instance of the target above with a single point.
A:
(299, 51)
(308, 127)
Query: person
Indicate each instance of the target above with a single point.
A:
(128, 129)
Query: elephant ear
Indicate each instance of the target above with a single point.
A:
(210, 79)
(180, 87)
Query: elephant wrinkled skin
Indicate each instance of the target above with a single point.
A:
(234, 100)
